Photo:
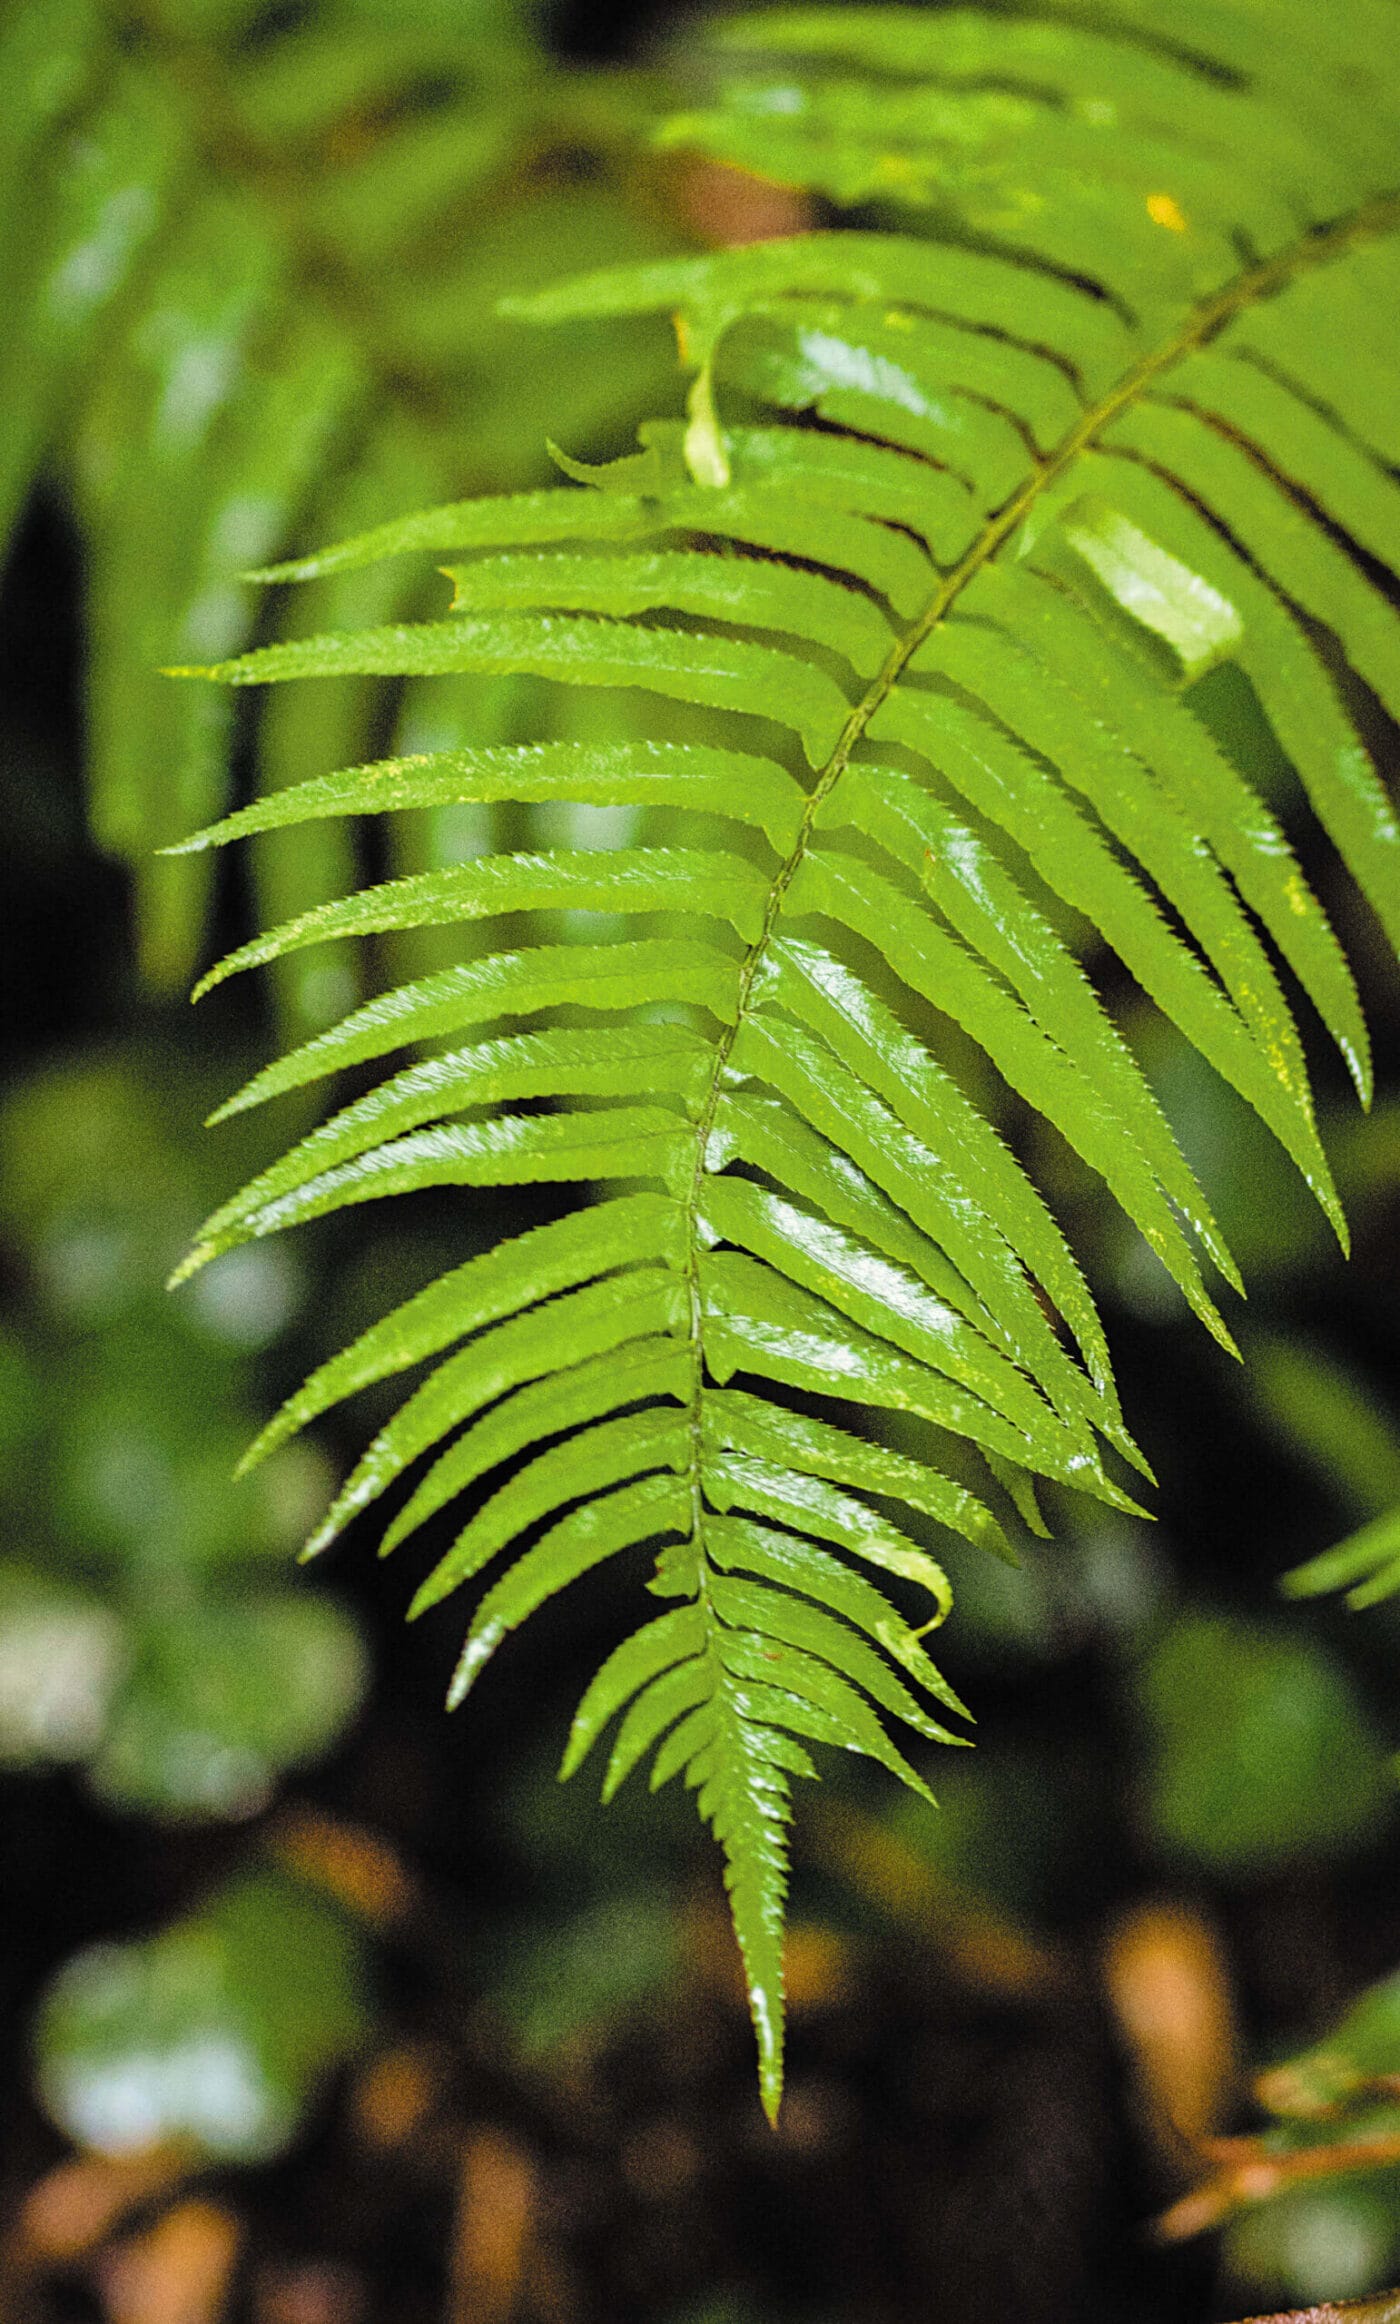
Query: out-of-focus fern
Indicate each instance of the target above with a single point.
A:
(1366, 1565)
(250, 268)
(922, 584)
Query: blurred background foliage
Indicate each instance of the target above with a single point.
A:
(319, 2008)
(251, 261)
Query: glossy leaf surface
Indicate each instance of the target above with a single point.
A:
(908, 610)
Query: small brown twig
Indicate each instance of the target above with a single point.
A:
(1249, 2172)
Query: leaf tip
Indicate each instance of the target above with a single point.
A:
(266, 1441)
(766, 2011)
(1125, 1443)
(237, 1104)
(332, 1525)
(428, 1594)
(482, 1641)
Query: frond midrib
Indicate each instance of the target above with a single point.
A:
(1318, 247)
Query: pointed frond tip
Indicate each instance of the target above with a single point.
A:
(932, 573)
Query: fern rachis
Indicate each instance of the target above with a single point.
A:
(954, 523)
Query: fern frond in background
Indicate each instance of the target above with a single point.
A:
(925, 589)
(249, 271)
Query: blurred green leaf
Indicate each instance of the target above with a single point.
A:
(1258, 1750)
(1366, 1565)
(62, 1658)
(21, 1401)
(216, 2033)
(1325, 1411)
(139, 1638)
(103, 1173)
(224, 1697)
(590, 1974)
(1361, 2048)
(1333, 2242)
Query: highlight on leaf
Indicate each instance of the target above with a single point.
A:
(902, 621)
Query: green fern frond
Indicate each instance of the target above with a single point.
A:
(249, 261)
(920, 590)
